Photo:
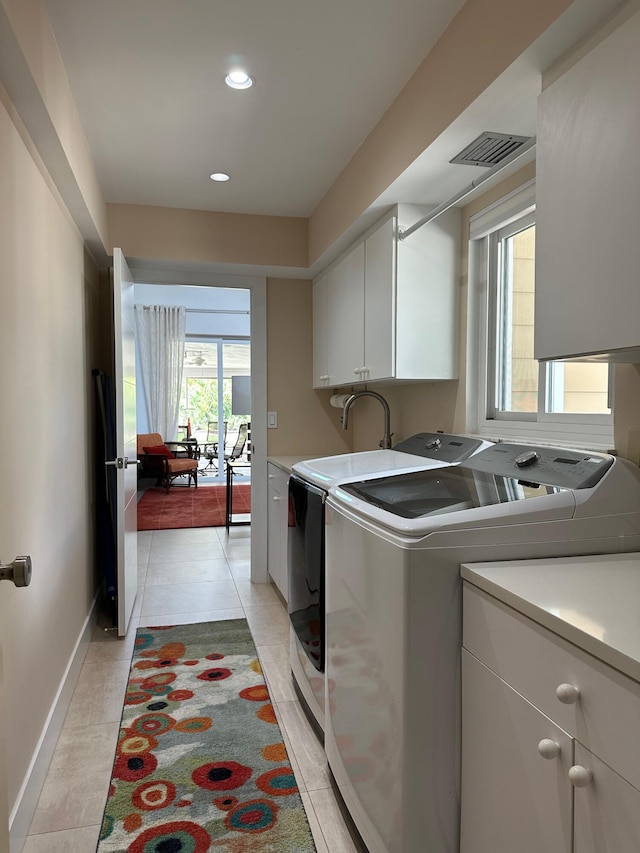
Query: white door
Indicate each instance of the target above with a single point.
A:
(126, 450)
(4, 796)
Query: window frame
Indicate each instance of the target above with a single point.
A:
(512, 213)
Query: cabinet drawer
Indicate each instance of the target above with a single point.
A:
(278, 479)
(534, 661)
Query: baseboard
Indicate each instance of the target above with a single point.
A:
(24, 810)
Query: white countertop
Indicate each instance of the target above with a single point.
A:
(593, 602)
(287, 462)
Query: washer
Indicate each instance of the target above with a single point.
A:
(308, 488)
(394, 613)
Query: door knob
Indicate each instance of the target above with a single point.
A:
(122, 462)
(19, 571)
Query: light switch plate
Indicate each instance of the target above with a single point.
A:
(272, 420)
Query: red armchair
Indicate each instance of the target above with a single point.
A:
(167, 460)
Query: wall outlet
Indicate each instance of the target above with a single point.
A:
(272, 420)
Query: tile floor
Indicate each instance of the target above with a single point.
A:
(185, 576)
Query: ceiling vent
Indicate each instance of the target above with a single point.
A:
(489, 149)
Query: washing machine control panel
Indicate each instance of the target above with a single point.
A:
(551, 466)
(438, 445)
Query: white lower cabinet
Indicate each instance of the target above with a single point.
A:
(277, 526)
(550, 739)
(607, 812)
(512, 798)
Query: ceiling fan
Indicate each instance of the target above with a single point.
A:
(194, 357)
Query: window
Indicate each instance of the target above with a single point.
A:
(209, 397)
(515, 396)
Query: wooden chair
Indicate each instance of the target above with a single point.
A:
(168, 460)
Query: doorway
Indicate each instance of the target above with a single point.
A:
(256, 287)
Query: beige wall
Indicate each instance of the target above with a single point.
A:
(45, 97)
(48, 298)
(626, 411)
(200, 236)
(306, 421)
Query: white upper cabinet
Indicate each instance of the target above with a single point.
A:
(588, 204)
(379, 305)
(345, 305)
(320, 332)
(391, 309)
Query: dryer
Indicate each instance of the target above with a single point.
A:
(308, 488)
(394, 546)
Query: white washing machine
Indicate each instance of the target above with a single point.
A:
(308, 488)
(394, 614)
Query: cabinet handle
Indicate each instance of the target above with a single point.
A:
(364, 369)
(276, 498)
(357, 371)
(271, 476)
(548, 748)
(580, 776)
(568, 694)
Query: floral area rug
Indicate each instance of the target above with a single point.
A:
(190, 507)
(200, 763)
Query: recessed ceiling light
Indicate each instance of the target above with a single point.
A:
(219, 176)
(238, 79)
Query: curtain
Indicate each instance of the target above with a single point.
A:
(160, 332)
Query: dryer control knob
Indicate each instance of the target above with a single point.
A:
(527, 458)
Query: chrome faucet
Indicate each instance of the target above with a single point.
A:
(386, 439)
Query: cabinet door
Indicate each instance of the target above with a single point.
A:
(427, 285)
(345, 332)
(587, 192)
(512, 797)
(607, 811)
(379, 302)
(277, 517)
(320, 326)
